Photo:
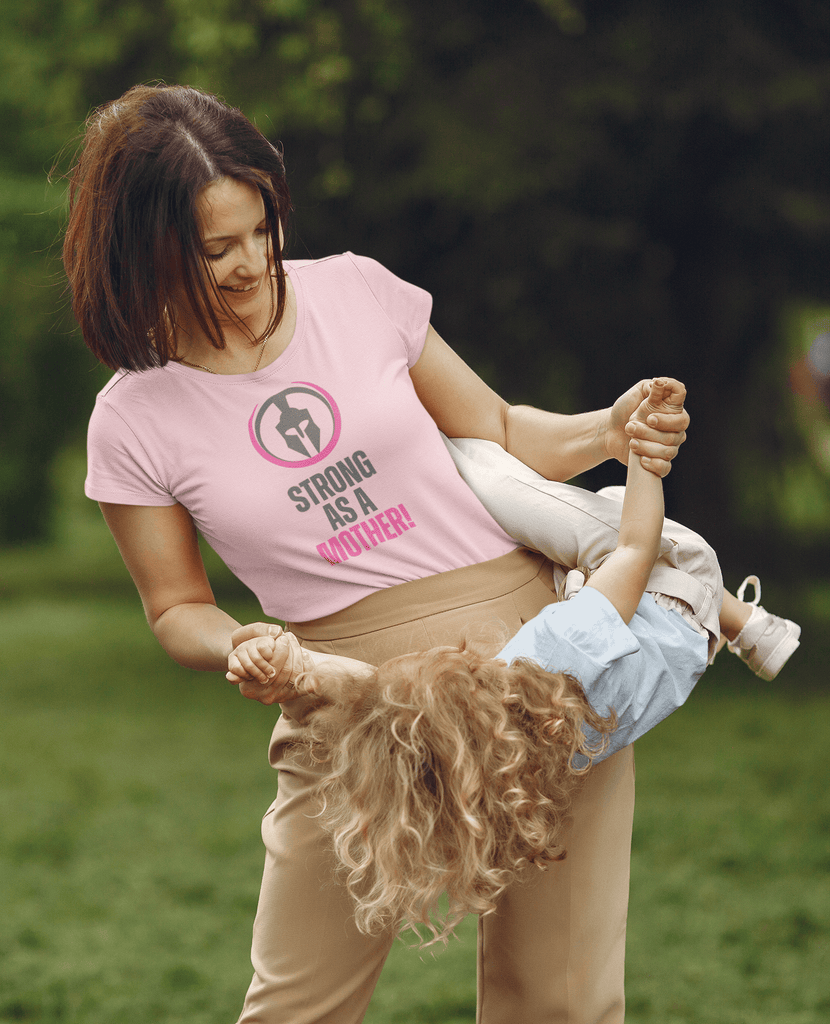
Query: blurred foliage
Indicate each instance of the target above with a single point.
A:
(793, 492)
(593, 191)
(46, 383)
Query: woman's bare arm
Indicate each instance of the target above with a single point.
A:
(557, 446)
(161, 552)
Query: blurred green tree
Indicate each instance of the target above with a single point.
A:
(46, 379)
(592, 191)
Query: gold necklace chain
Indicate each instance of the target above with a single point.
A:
(200, 366)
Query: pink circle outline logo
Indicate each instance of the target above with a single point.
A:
(297, 387)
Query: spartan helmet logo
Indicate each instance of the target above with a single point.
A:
(296, 427)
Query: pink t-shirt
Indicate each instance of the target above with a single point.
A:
(320, 478)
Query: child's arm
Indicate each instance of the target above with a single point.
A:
(623, 577)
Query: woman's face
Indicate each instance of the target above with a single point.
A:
(234, 234)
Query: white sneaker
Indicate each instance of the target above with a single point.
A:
(766, 642)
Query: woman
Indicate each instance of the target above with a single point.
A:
(290, 411)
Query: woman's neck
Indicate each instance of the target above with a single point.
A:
(245, 351)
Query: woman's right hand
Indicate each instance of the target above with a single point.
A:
(264, 661)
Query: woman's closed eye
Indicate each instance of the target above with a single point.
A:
(260, 232)
(218, 255)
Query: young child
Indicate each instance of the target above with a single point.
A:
(450, 771)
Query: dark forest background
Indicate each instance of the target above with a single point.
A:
(594, 192)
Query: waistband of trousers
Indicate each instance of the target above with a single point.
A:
(430, 595)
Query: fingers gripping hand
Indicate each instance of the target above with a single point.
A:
(253, 630)
(657, 427)
(263, 667)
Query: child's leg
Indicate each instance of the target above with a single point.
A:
(575, 527)
(764, 641)
(734, 615)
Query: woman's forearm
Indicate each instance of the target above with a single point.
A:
(557, 446)
(197, 636)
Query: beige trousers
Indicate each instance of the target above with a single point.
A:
(554, 950)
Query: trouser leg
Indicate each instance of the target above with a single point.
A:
(311, 964)
(554, 950)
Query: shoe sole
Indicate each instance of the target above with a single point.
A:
(780, 656)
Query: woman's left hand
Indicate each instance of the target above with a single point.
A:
(657, 440)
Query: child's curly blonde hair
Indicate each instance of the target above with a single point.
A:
(449, 772)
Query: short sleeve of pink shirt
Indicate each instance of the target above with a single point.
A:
(318, 479)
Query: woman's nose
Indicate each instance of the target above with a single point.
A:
(254, 257)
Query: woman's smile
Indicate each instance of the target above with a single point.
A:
(241, 291)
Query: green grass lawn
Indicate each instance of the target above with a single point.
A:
(129, 830)
(132, 791)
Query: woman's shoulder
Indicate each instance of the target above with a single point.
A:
(364, 278)
(141, 391)
(130, 382)
(344, 263)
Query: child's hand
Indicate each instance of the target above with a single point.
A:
(665, 398)
(263, 667)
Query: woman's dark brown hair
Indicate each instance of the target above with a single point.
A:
(132, 243)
